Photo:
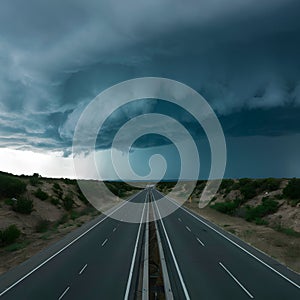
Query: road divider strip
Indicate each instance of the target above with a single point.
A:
(145, 288)
(172, 253)
(134, 256)
(166, 279)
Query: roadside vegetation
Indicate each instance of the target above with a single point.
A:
(36, 211)
(255, 200)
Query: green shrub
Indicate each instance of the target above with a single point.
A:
(248, 189)
(279, 196)
(74, 215)
(56, 186)
(9, 235)
(226, 184)
(268, 206)
(10, 186)
(68, 202)
(260, 221)
(57, 190)
(41, 194)
(82, 198)
(35, 179)
(292, 190)
(228, 207)
(23, 206)
(287, 231)
(54, 201)
(16, 246)
(269, 184)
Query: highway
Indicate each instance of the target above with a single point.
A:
(204, 262)
(103, 261)
(102, 264)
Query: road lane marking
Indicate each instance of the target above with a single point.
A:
(245, 290)
(104, 242)
(134, 255)
(200, 242)
(179, 220)
(65, 247)
(166, 278)
(81, 271)
(145, 289)
(114, 229)
(173, 255)
(188, 228)
(62, 295)
(237, 245)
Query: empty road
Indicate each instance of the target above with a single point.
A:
(103, 261)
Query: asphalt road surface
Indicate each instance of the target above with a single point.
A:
(204, 262)
(102, 264)
(102, 260)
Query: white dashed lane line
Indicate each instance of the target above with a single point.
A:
(104, 242)
(62, 295)
(114, 229)
(82, 270)
(200, 242)
(188, 228)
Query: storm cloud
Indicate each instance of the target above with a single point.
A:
(56, 56)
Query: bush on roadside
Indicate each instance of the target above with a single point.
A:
(226, 184)
(9, 235)
(68, 202)
(10, 186)
(57, 189)
(41, 194)
(54, 201)
(74, 215)
(248, 189)
(228, 207)
(292, 191)
(23, 206)
(35, 179)
(268, 206)
(269, 184)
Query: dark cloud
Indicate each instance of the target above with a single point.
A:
(56, 56)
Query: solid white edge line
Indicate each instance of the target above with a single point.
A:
(65, 247)
(145, 289)
(234, 243)
(172, 253)
(200, 242)
(81, 271)
(234, 278)
(134, 255)
(62, 295)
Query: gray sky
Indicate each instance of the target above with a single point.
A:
(242, 56)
